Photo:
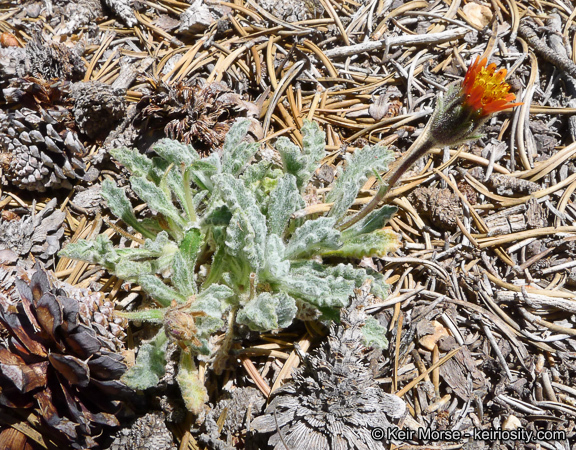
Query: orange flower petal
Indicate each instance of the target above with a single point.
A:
(490, 109)
(485, 89)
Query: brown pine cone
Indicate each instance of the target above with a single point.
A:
(49, 59)
(147, 433)
(97, 107)
(293, 11)
(12, 64)
(193, 113)
(57, 364)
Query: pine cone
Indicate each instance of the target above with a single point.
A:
(11, 268)
(58, 363)
(95, 311)
(39, 148)
(147, 433)
(98, 313)
(238, 408)
(334, 401)
(193, 113)
(48, 59)
(293, 11)
(12, 64)
(97, 107)
(39, 233)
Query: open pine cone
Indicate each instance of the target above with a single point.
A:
(334, 402)
(35, 232)
(42, 57)
(58, 362)
(193, 113)
(39, 147)
(49, 59)
(97, 107)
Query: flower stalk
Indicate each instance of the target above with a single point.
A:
(456, 119)
(422, 145)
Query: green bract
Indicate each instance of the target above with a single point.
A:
(223, 247)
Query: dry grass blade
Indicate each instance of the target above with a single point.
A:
(292, 362)
(253, 372)
(291, 73)
(423, 375)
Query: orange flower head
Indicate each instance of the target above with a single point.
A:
(485, 90)
(464, 108)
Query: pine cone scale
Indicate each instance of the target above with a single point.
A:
(49, 314)
(106, 367)
(23, 333)
(73, 369)
(84, 341)
(25, 377)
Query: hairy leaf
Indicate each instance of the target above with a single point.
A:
(255, 173)
(374, 221)
(229, 270)
(374, 334)
(156, 199)
(170, 179)
(131, 270)
(246, 232)
(159, 291)
(217, 292)
(302, 163)
(121, 207)
(201, 172)
(318, 289)
(356, 275)
(184, 262)
(150, 364)
(378, 243)
(146, 315)
(313, 145)
(284, 200)
(183, 275)
(175, 152)
(205, 325)
(137, 163)
(235, 153)
(268, 312)
(240, 158)
(217, 216)
(315, 236)
(100, 251)
(349, 181)
(156, 246)
(276, 266)
(193, 391)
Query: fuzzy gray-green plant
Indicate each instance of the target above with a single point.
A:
(223, 243)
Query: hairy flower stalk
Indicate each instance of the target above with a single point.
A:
(457, 118)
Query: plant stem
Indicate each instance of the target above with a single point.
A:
(419, 148)
(422, 145)
(188, 196)
(223, 353)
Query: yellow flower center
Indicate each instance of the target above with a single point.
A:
(492, 84)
